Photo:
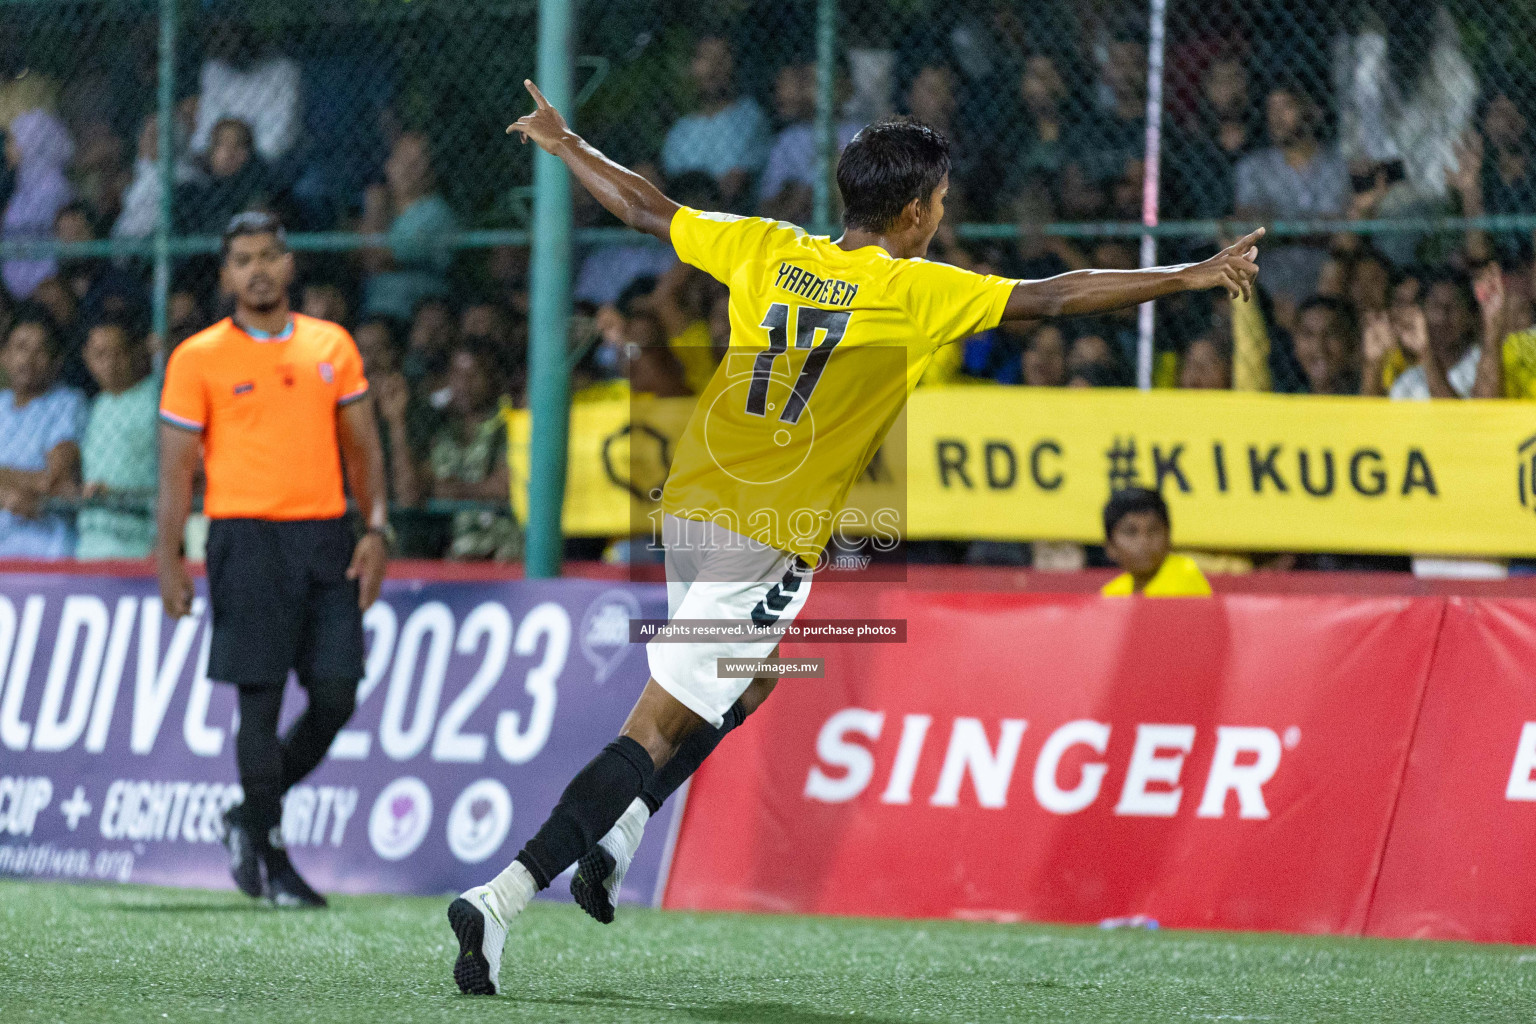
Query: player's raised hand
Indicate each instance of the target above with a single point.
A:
(544, 126)
(1233, 269)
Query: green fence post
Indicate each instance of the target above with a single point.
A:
(549, 307)
(826, 115)
(165, 156)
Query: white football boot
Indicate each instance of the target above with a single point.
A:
(481, 927)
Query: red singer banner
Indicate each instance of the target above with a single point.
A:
(1463, 848)
(1230, 762)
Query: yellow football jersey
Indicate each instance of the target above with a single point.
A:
(1178, 576)
(694, 351)
(826, 345)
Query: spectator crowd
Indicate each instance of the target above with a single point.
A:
(1390, 120)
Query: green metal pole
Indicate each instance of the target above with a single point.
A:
(166, 157)
(549, 307)
(826, 115)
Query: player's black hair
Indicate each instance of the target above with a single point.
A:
(37, 314)
(251, 222)
(1130, 501)
(886, 166)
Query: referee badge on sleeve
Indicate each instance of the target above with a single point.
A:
(327, 373)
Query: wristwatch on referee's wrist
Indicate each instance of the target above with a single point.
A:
(386, 533)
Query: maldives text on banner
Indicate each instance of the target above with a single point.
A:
(481, 699)
(1240, 471)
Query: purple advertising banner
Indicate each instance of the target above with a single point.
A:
(481, 701)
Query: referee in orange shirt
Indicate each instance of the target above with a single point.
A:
(277, 403)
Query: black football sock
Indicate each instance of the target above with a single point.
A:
(331, 703)
(587, 809)
(259, 758)
(688, 758)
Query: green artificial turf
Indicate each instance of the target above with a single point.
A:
(74, 953)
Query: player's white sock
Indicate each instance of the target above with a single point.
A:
(624, 838)
(512, 889)
(621, 842)
(601, 870)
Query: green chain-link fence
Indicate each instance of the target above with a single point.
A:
(1383, 141)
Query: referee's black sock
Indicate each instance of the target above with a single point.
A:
(587, 809)
(331, 703)
(259, 758)
(689, 756)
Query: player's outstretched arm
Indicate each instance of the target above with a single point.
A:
(622, 192)
(1097, 291)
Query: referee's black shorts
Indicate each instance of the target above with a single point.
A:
(281, 600)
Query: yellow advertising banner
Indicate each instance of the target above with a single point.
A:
(1245, 472)
(620, 448)
(1240, 471)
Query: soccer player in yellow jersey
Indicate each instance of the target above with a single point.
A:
(827, 340)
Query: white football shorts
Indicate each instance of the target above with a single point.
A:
(717, 574)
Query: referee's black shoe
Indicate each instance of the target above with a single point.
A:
(285, 887)
(244, 854)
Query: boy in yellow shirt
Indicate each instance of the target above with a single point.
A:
(1137, 538)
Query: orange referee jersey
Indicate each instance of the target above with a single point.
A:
(266, 407)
